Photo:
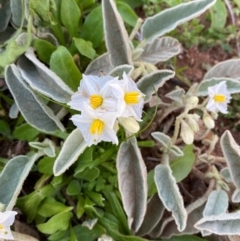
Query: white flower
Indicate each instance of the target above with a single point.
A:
(96, 126)
(132, 99)
(129, 124)
(6, 220)
(208, 120)
(187, 133)
(219, 97)
(95, 92)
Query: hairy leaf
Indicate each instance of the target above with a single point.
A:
(160, 50)
(228, 69)
(153, 215)
(236, 196)
(99, 65)
(150, 83)
(18, 15)
(71, 150)
(132, 179)
(231, 152)
(169, 19)
(223, 224)
(116, 36)
(42, 79)
(119, 70)
(12, 179)
(162, 138)
(176, 95)
(169, 194)
(5, 14)
(233, 86)
(34, 110)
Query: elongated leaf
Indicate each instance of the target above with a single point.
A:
(182, 166)
(226, 174)
(149, 84)
(5, 14)
(71, 150)
(153, 215)
(70, 16)
(231, 152)
(219, 15)
(176, 95)
(62, 64)
(169, 19)
(169, 194)
(223, 224)
(132, 179)
(162, 138)
(42, 79)
(34, 110)
(116, 36)
(118, 71)
(99, 65)
(236, 196)
(160, 50)
(23, 237)
(18, 15)
(85, 47)
(12, 178)
(233, 86)
(228, 68)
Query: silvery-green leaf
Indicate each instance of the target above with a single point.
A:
(169, 194)
(169, 19)
(42, 79)
(233, 86)
(70, 151)
(90, 223)
(223, 224)
(160, 50)
(226, 174)
(176, 95)
(33, 109)
(162, 138)
(47, 146)
(176, 151)
(137, 53)
(150, 83)
(132, 179)
(231, 152)
(13, 113)
(23, 237)
(119, 70)
(12, 177)
(236, 196)
(228, 68)
(5, 14)
(99, 65)
(18, 12)
(217, 203)
(153, 215)
(116, 36)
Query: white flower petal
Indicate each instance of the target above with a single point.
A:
(222, 108)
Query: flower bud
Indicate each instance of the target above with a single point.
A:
(116, 126)
(186, 133)
(208, 121)
(129, 124)
(193, 122)
(192, 102)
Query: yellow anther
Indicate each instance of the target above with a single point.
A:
(96, 127)
(95, 101)
(132, 97)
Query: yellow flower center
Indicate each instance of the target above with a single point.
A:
(131, 97)
(1, 227)
(95, 101)
(219, 98)
(96, 127)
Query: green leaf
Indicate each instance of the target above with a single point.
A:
(132, 180)
(5, 14)
(50, 207)
(94, 22)
(71, 149)
(84, 160)
(182, 166)
(44, 49)
(41, 9)
(127, 14)
(5, 128)
(150, 83)
(95, 197)
(58, 222)
(169, 194)
(70, 16)
(25, 132)
(88, 174)
(45, 165)
(169, 19)
(62, 64)
(47, 147)
(116, 36)
(12, 179)
(73, 188)
(32, 107)
(152, 189)
(85, 48)
(219, 15)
